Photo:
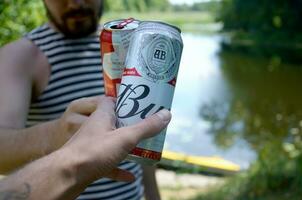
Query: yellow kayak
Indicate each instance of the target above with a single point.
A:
(206, 164)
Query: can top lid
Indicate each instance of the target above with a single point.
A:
(145, 23)
(122, 24)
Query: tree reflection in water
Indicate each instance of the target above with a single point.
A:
(264, 108)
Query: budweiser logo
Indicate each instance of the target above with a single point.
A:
(132, 102)
(159, 60)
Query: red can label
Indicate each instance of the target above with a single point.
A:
(115, 39)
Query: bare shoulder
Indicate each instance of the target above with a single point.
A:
(19, 55)
(22, 47)
(17, 63)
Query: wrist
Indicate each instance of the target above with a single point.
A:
(56, 137)
(61, 168)
(45, 137)
(76, 167)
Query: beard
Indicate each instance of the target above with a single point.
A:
(72, 28)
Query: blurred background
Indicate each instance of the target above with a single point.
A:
(238, 95)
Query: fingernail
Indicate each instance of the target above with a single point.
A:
(164, 115)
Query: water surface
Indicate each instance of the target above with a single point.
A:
(229, 104)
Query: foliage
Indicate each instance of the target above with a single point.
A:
(277, 172)
(18, 17)
(137, 5)
(207, 6)
(268, 116)
(263, 24)
(262, 15)
(187, 21)
(268, 179)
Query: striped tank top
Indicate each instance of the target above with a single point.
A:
(75, 73)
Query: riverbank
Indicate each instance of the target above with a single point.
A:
(274, 176)
(285, 47)
(187, 21)
(174, 186)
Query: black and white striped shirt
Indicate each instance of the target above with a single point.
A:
(76, 72)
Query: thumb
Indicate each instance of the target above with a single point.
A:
(149, 127)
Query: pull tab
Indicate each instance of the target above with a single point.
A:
(125, 23)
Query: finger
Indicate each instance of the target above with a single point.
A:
(104, 117)
(106, 104)
(120, 175)
(85, 106)
(149, 127)
(77, 120)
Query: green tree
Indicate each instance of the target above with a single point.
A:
(208, 6)
(262, 15)
(18, 17)
(134, 5)
(117, 6)
(161, 5)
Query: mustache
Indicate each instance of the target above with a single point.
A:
(76, 12)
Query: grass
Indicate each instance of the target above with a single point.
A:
(175, 186)
(271, 177)
(181, 193)
(275, 175)
(188, 21)
(244, 187)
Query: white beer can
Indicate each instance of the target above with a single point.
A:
(148, 82)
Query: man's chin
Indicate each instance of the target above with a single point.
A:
(79, 32)
(77, 35)
(79, 29)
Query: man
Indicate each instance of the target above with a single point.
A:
(40, 75)
(69, 169)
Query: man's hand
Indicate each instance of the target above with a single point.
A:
(101, 146)
(75, 115)
(31, 143)
(93, 152)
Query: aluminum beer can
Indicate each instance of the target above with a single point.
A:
(148, 82)
(114, 40)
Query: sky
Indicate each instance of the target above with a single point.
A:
(184, 1)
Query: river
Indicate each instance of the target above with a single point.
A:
(229, 104)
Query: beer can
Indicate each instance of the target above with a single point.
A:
(148, 82)
(114, 41)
